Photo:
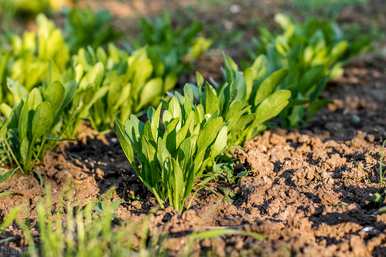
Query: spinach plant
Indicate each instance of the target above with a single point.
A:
(313, 52)
(84, 27)
(127, 84)
(38, 56)
(88, 90)
(174, 148)
(245, 100)
(31, 126)
(172, 50)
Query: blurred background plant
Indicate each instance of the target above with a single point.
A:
(171, 49)
(85, 27)
(314, 52)
(36, 6)
(325, 7)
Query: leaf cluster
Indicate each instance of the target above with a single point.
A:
(114, 84)
(313, 52)
(180, 141)
(172, 50)
(33, 58)
(246, 100)
(31, 126)
(175, 146)
(84, 27)
(105, 83)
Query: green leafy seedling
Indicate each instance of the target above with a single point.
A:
(84, 28)
(246, 101)
(313, 52)
(38, 56)
(173, 149)
(172, 50)
(30, 128)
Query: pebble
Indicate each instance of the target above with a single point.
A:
(99, 173)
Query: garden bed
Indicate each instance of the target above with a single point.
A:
(309, 192)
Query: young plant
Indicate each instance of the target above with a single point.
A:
(38, 56)
(85, 28)
(313, 52)
(30, 128)
(171, 151)
(97, 74)
(172, 50)
(128, 83)
(68, 230)
(88, 90)
(246, 101)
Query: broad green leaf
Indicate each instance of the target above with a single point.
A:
(209, 132)
(18, 91)
(175, 108)
(24, 149)
(69, 93)
(124, 141)
(5, 110)
(54, 94)
(310, 78)
(42, 120)
(269, 85)
(220, 143)
(338, 51)
(150, 92)
(97, 95)
(183, 132)
(93, 78)
(178, 187)
(155, 123)
(200, 45)
(34, 99)
(199, 79)
(255, 72)
(170, 82)
(272, 106)
(212, 102)
(23, 121)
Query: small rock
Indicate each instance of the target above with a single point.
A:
(99, 173)
(355, 120)
(370, 230)
(235, 8)
(167, 217)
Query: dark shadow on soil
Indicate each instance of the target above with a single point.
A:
(105, 161)
(10, 245)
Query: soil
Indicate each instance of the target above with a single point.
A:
(310, 192)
